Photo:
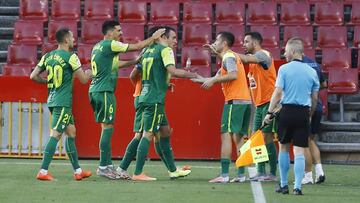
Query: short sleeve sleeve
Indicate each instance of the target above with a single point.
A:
(168, 57)
(74, 62)
(229, 62)
(280, 80)
(120, 47)
(41, 63)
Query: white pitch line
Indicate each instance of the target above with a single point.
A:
(256, 188)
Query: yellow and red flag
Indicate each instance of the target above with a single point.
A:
(253, 151)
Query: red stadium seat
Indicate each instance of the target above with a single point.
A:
(231, 12)
(295, 13)
(84, 53)
(197, 12)
(343, 81)
(196, 34)
(125, 72)
(99, 10)
(236, 30)
(55, 25)
(260, 13)
(20, 60)
(28, 32)
(164, 13)
(91, 32)
(329, 13)
(275, 52)
(334, 36)
(200, 60)
(323, 97)
(335, 59)
(355, 13)
(132, 33)
(47, 47)
(305, 32)
(270, 35)
(132, 12)
(65, 10)
(357, 37)
(34, 10)
(309, 52)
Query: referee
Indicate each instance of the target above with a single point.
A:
(296, 88)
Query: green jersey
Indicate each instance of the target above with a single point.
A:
(155, 77)
(60, 65)
(105, 65)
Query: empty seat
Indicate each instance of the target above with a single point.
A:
(99, 10)
(28, 32)
(275, 52)
(334, 36)
(132, 33)
(270, 35)
(231, 12)
(323, 97)
(34, 10)
(329, 13)
(132, 12)
(164, 13)
(91, 31)
(21, 59)
(200, 60)
(309, 52)
(343, 81)
(197, 12)
(305, 32)
(236, 30)
(335, 59)
(55, 25)
(196, 34)
(84, 53)
(47, 47)
(65, 10)
(128, 56)
(355, 13)
(295, 13)
(260, 13)
(357, 37)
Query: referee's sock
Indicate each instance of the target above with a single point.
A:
(299, 169)
(284, 164)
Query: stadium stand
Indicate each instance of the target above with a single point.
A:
(295, 13)
(132, 33)
(329, 13)
(196, 34)
(269, 33)
(21, 59)
(65, 10)
(164, 13)
(335, 59)
(84, 53)
(237, 30)
(332, 36)
(28, 32)
(132, 12)
(262, 13)
(305, 32)
(34, 10)
(200, 60)
(230, 13)
(91, 31)
(99, 10)
(197, 12)
(53, 26)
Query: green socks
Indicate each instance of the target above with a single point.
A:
(272, 157)
(225, 166)
(142, 152)
(241, 171)
(49, 152)
(159, 152)
(129, 154)
(105, 146)
(72, 152)
(167, 153)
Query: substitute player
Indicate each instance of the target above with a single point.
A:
(237, 108)
(104, 65)
(61, 64)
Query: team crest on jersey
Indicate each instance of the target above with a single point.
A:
(110, 117)
(62, 126)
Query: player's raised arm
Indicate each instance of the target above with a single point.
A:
(142, 44)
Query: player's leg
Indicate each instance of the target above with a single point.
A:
(71, 151)
(314, 150)
(158, 149)
(308, 177)
(58, 116)
(239, 141)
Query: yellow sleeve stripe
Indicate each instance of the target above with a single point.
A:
(167, 56)
(228, 55)
(74, 62)
(41, 62)
(117, 46)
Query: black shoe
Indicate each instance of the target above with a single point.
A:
(283, 190)
(320, 180)
(297, 191)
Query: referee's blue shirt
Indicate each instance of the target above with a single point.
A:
(298, 81)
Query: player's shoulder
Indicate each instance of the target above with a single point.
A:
(229, 54)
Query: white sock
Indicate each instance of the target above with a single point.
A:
(78, 170)
(120, 169)
(102, 167)
(319, 170)
(43, 171)
(308, 174)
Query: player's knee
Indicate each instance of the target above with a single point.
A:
(106, 125)
(55, 134)
(137, 136)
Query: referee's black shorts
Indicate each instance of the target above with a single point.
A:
(294, 125)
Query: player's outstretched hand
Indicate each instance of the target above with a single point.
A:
(211, 48)
(209, 82)
(158, 33)
(88, 73)
(198, 79)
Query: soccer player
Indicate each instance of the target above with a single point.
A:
(104, 64)
(61, 64)
(158, 64)
(297, 87)
(237, 108)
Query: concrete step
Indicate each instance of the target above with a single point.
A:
(352, 97)
(337, 126)
(4, 43)
(9, 11)
(12, 3)
(349, 116)
(339, 147)
(8, 21)
(3, 55)
(348, 106)
(340, 137)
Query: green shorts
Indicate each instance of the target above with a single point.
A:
(153, 117)
(260, 113)
(138, 127)
(104, 106)
(236, 118)
(61, 117)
